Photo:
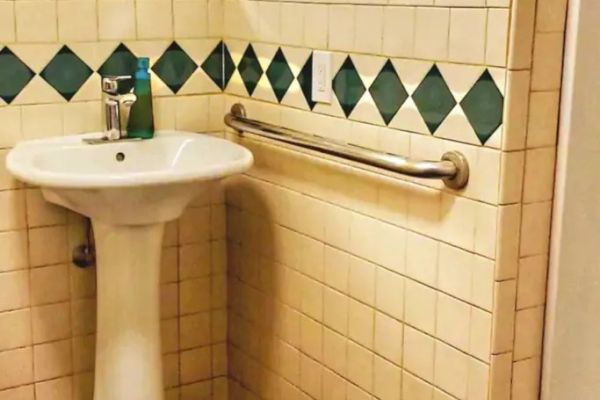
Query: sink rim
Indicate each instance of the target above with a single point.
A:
(19, 163)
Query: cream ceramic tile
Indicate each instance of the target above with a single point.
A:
(467, 35)
(419, 351)
(480, 334)
(551, 16)
(116, 19)
(335, 310)
(154, 19)
(10, 131)
(360, 366)
(504, 313)
(13, 250)
(515, 114)
(420, 306)
(190, 18)
(453, 321)
(511, 182)
(316, 29)
(486, 229)
(422, 258)
(77, 21)
(55, 389)
(15, 329)
(52, 360)
(292, 23)
(529, 327)
(497, 37)
(269, 22)
(12, 210)
(398, 31)
(311, 338)
(482, 291)
(535, 228)
(194, 295)
(539, 175)
(361, 283)
(335, 351)
(14, 293)
(547, 61)
(341, 27)
(19, 393)
(195, 365)
(388, 338)
(361, 320)
(526, 379)
(500, 376)
(36, 21)
(415, 388)
(40, 212)
(387, 382)
(7, 21)
(543, 119)
(451, 370)
(310, 376)
(50, 322)
(521, 34)
(48, 245)
(368, 29)
(83, 316)
(194, 330)
(531, 285)
(509, 220)
(431, 33)
(17, 369)
(389, 293)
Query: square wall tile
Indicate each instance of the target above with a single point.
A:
(419, 353)
(116, 19)
(431, 34)
(16, 367)
(7, 21)
(14, 290)
(36, 21)
(77, 21)
(15, 329)
(467, 35)
(52, 360)
(154, 19)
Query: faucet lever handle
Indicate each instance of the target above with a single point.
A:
(110, 84)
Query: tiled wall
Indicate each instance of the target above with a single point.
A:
(51, 56)
(344, 284)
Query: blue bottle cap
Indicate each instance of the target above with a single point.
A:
(143, 63)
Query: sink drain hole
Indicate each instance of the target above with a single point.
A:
(120, 157)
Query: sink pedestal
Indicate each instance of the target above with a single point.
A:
(128, 353)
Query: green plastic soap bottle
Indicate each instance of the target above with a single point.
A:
(141, 119)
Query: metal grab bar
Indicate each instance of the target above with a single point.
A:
(453, 168)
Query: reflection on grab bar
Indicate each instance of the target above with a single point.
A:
(453, 168)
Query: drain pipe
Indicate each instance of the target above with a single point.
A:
(84, 255)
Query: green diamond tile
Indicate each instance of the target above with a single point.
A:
(219, 65)
(388, 92)
(348, 87)
(305, 81)
(66, 73)
(483, 106)
(250, 69)
(280, 75)
(174, 67)
(434, 99)
(14, 75)
(121, 62)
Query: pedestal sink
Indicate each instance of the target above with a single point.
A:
(129, 189)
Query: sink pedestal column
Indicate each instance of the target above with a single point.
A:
(128, 354)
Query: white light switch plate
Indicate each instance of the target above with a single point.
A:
(321, 82)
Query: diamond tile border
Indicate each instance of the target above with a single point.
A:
(385, 95)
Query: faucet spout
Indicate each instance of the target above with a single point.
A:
(117, 99)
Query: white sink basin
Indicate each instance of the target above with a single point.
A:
(126, 182)
(129, 189)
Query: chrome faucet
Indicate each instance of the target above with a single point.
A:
(117, 102)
